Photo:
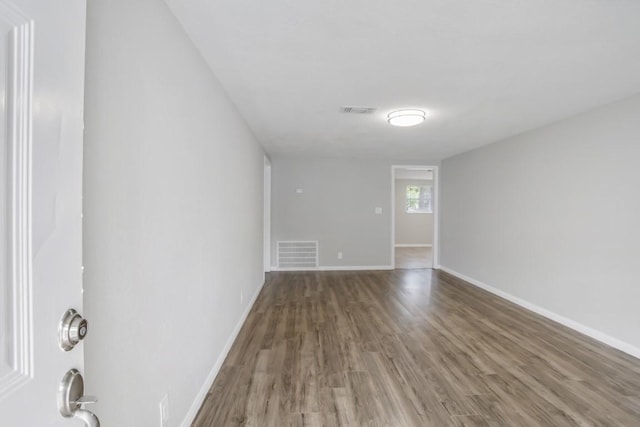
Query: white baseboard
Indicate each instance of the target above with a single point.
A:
(586, 330)
(202, 394)
(414, 245)
(338, 268)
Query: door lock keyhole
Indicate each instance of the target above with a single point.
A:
(72, 330)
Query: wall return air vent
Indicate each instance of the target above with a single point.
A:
(297, 255)
(358, 110)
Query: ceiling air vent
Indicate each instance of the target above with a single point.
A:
(358, 110)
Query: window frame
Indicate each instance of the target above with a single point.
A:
(427, 200)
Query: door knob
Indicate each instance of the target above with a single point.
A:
(72, 329)
(71, 399)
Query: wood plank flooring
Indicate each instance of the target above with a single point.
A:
(412, 348)
(414, 257)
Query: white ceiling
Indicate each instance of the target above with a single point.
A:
(483, 69)
(413, 173)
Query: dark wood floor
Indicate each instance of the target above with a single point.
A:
(412, 348)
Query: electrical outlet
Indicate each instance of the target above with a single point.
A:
(241, 298)
(339, 255)
(164, 411)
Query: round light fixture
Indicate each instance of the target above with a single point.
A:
(406, 118)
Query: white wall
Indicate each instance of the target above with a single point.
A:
(173, 214)
(553, 217)
(411, 228)
(337, 208)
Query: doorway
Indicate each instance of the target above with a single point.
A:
(414, 216)
(267, 216)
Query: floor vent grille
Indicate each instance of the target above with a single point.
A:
(297, 255)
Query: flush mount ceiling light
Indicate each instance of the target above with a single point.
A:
(406, 118)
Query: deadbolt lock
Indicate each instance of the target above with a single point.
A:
(72, 330)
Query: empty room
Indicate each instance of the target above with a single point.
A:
(339, 213)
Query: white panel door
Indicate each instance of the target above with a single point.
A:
(41, 128)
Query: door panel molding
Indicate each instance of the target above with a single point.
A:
(16, 53)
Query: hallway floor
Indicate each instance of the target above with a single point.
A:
(413, 257)
(412, 348)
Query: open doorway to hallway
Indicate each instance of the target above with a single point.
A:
(414, 216)
(414, 257)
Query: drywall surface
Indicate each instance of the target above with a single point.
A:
(336, 207)
(411, 228)
(173, 214)
(551, 217)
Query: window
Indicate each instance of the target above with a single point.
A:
(419, 199)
